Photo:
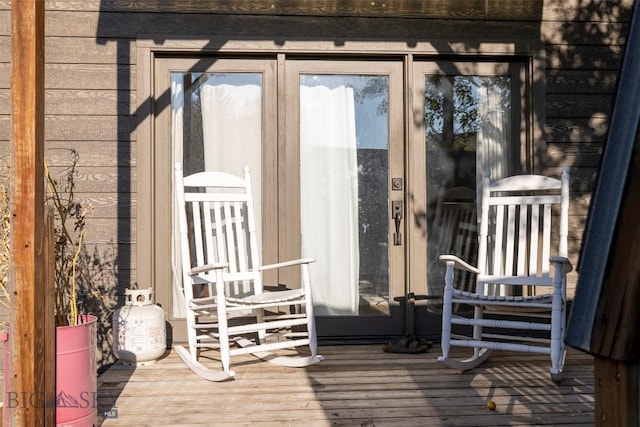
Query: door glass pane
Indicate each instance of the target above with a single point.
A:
(221, 125)
(344, 146)
(216, 125)
(468, 130)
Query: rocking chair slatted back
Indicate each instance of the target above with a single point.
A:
(517, 224)
(226, 226)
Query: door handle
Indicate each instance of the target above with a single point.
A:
(397, 213)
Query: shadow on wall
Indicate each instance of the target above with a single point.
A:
(98, 296)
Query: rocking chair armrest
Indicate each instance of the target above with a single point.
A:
(566, 265)
(287, 263)
(459, 263)
(207, 267)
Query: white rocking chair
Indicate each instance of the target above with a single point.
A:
(514, 257)
(222, 278)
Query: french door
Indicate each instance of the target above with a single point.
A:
(351, 159)
(345, 130)
(469, 118)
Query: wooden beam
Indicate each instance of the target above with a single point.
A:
(443, 9)
(26, 396)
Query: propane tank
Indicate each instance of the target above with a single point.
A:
(139, 329)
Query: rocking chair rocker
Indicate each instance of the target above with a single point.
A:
(222, 280)
(514, 257)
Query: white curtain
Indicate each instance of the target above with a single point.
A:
(329, 196)
(492, 151)
(231, 107)
(177, 111)
(232, 128)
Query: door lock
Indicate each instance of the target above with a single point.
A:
(397, 213)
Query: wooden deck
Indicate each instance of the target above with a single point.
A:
(357, 385)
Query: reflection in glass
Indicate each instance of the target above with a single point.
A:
(344, 132)
(467, 121)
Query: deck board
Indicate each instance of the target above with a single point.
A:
(357, 385)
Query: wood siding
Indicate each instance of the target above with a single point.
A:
(91, 100)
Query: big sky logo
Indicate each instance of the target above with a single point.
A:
(107, 406)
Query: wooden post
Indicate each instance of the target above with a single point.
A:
(616, 392)
(26, 393)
